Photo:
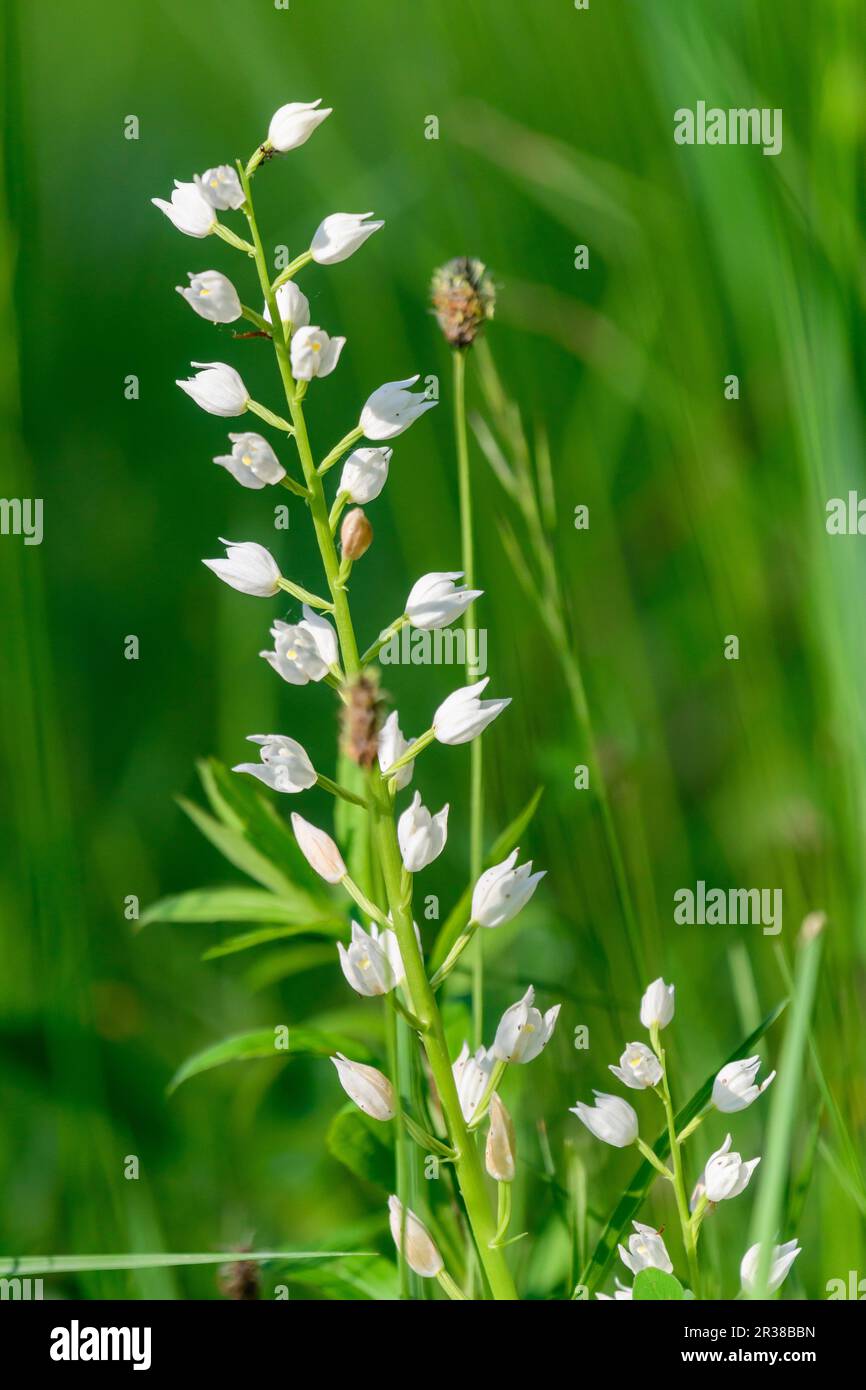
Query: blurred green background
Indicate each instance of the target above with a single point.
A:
(706, 519)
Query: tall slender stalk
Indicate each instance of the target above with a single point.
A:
(678, 1179)
(470, 1174)
(476, 768)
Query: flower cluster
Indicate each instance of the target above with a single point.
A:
(725, 1175)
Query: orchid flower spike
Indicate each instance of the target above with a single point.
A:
(284, 764)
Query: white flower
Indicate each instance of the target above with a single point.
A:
(522, 1032)
(422, 836)
(252, 461)
(369, 1088)
(319, 850)
(314, 353)
(341, 234)
(365, 473)
(782, 1259)
(471, 1074)
(221, 187)
(293, 306)
(610, 1119)
(189, 210)
(646, 1250)
(392, 746)
(500, 1153)
(657, 1005)
(639, 1067)
(248, 567)
(502, 890)
(212, 296)
(726, 1175)
(218, 389)
(622, 1293)
(303, 651)
(391, 409)
(734, 1088)
(371, 962)
(284, 764)
(412, 1237)
(463, 715)
(435, 600)
(294, 123)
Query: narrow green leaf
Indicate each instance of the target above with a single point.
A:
(241, 804)
(655, 1284)
(238, 904)
(502, 846)
(359, 1144)
(247, 940)
(234, 847)
(262, 1044)
(630, 1203)
(80, 1264)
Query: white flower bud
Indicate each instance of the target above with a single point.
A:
(188, 210)
(646, 1250)
(293, 306)
(314, 353)
(248, 567)
(391, 409)
(657, 1004)
(464, 715)
(472, 1074)
(435, 601)
(422, 836)
(365, 473)
(734, 1087)
(522, 1032)
(221, 187)
(500, 1153)
(341, 234)
(212, 296)
(294, 123)
(611, 1119)
(252, 461)
(412, 1237)
(392, 746)
(284, 764)
(639, 1067)
(319, 850)
(218, 389)
(782, 1259)
(502, 891)
(370, 1089)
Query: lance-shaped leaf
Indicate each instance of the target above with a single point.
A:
(265, 1043)
(240, 904)
(28, 1266)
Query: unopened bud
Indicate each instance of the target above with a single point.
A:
(464, 297)
(356, 534)
(500, 1153)
(412, 1237)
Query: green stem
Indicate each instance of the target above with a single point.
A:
(476, 766)
(679, 1182)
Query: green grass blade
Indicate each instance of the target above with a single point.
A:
(79, 1264)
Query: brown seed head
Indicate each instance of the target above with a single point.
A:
(361, 720)
(464, 297)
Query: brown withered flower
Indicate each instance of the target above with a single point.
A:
(464, 297)
(361, 720)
